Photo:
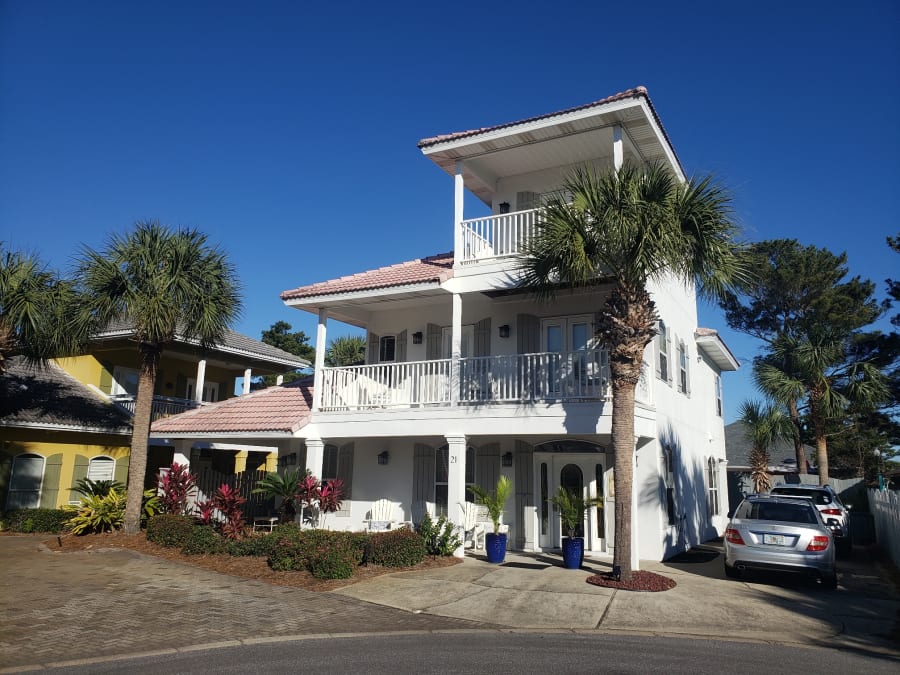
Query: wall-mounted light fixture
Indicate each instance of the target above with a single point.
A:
(507, 459)
(417, 338)
(383, 457)
(504, 207)
(504, 330)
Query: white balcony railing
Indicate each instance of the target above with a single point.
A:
(550, 376)
(163, 406)
(496, 236)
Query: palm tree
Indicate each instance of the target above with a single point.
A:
(818, 368)
(284, 487)
(36, 311)
(626, 228)
(764, 425)
(163, 282)
(346, 350)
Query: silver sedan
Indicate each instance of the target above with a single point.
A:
(779, 534)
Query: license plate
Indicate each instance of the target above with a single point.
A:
(774, 539)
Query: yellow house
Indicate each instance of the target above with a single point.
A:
(72, 419)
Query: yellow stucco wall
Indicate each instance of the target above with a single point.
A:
(61, 451)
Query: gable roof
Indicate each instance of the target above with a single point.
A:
(434, 269)
(738, 446)
(232, 343)
(636, 92)
(279, 411)
(49, 398)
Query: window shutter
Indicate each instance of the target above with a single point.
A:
(423, 479)
(483, 337)
(524, 467)
(487, 466)
(374, 343)
(669, 354)
(687, 371)
(528, 333)
(527, 200)
(660, 327)
(122, 470)
(434, 342)
(345, 473)
(50, 486)
(105, 380)
(80, 471)
(6, 462)
(400, 356)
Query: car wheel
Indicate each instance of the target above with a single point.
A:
(732, 572)
(830, 581)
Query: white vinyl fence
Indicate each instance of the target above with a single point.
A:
(885, 506)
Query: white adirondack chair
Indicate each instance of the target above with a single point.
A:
(474, 530)
(381, 516)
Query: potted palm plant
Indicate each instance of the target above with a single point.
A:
(572, 507)
(494, 500)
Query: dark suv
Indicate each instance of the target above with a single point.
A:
(833, 511)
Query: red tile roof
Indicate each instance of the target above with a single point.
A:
(621, 96)
(435, 269)
(283, 409)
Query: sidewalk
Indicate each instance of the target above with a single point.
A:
(60, 607)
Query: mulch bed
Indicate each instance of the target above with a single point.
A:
(245, 567)
(640, 581)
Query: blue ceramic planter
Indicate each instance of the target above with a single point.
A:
(573, 552)
(495, 547)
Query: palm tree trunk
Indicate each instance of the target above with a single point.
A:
(817, 419)
(799, 452)
(137, 465)
(623, 452)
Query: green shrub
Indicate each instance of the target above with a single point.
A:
(259, 545)
(203, 540)
(325, 554)
(98, 514)
(170, 530)
(397, 548)
(441, 537)
(34, 520)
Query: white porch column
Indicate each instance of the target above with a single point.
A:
(458, 198)
(248, 373)
(456, 483)
(455, 348)
(315, 455)
(182, 453)
(201, 380)
(279, 380)
(321, 332)
(618, 150)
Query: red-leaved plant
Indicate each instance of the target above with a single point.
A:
(318, 498)
(331, 494)
(176, 485)
(229, 501)
(206, 509)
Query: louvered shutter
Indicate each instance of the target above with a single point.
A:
(122, 470)
(483, 337)
(50, 486)
(374, 341)
(433, 342)
(423, 480)
(345, 473)
(487, 466)
(401, 348)
(524, 483)
(80, 471)
(106, 379)
(528, 333)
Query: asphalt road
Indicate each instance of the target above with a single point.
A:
(504, 653)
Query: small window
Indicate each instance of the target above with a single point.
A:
(718, 395)
(712, 481)
(25, 482)
(682, 368)
(101, 468)
(387, 350)
(329, 463)
(662, 347)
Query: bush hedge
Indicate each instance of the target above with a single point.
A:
(35, 520)
(170, 530)
(397, 548)
(203, 540)
(325, 554)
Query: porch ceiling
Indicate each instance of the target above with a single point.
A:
(356, 308)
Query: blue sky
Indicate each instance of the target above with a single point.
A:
(288, 131)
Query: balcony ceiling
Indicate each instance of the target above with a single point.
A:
(573, 138)
(357, 308)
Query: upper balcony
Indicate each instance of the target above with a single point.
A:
(495, 237)
(163, 406)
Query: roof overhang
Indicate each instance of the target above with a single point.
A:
(355, 307)
(717, 351)
(45, 426)
(570, 137)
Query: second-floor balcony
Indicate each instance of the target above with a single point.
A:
(484, 380)
(495, 236)
(163, 406)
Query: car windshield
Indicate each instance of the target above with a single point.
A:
(820, 496)
(789, 513)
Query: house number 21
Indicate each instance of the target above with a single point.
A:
(453, 459)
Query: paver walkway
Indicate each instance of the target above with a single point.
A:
(56, 607)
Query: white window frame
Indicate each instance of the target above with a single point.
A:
(210, 390)
(712, 488)
(663, 358)
(718, 386)
(683, 365)
(121, 374)
(382, 341)
(98, 461)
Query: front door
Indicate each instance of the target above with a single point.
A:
(585, 473)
